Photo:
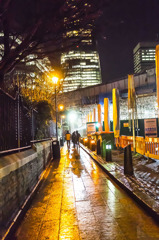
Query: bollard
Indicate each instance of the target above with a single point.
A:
(92, 145)
(61, 142)
(89, 143)
(98, 147)
(103, 149)
(85, 141)
(55, 150)
(108, 155)
(128, 166)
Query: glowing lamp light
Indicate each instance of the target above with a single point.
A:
(63, 116)
(55, 79)
(61, 107)
(108, 147)
(97, 125)
(156, 106)
(72, 116)
(92, 141)
(86, 139)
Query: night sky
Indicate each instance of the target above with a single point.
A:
(125, 23)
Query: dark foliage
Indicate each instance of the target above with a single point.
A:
(37, 26)
(43, 116)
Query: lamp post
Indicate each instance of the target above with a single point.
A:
(60, 110)
(62, 131)
(55, 80)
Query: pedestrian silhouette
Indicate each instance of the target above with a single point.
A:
(74, 138)
(68, 138)
(77, 138)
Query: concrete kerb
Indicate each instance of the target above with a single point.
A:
(125, 182)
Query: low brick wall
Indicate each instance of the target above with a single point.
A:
(19, 173)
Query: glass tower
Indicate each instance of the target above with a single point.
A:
(80, 62)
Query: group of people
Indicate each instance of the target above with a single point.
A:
(75, 138)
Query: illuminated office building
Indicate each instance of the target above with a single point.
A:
(144, 56)
(80, 63)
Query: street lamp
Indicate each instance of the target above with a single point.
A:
(62, 130)
(61, 107)
(55, 80)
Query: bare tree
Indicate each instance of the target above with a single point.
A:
(37, 26)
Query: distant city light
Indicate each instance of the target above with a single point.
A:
(72, 116)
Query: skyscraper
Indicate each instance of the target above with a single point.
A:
(80, 62)
(144, 56)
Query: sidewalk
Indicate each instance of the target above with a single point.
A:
(143, 186)
(78, 201)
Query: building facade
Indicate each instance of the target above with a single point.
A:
(144, 56)
(83, 101)
(80, 63)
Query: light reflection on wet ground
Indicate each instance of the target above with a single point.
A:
(79, 201)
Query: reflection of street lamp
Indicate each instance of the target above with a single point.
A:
(55, 80)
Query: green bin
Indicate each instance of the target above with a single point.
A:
(107, 138)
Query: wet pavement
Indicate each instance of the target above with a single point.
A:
(145, 172)
(78, 200)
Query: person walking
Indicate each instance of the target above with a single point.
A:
(68, 138)
(74, 138)
(77, 138)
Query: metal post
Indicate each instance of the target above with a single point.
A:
(32, 123)
(133, 128)
(56, 114)
(98, 147)
(32, 116)
(128, 164)
(18, 119)
(18, 111)
(62, 131)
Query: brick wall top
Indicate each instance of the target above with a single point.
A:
(41, 145)
(14, 161)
